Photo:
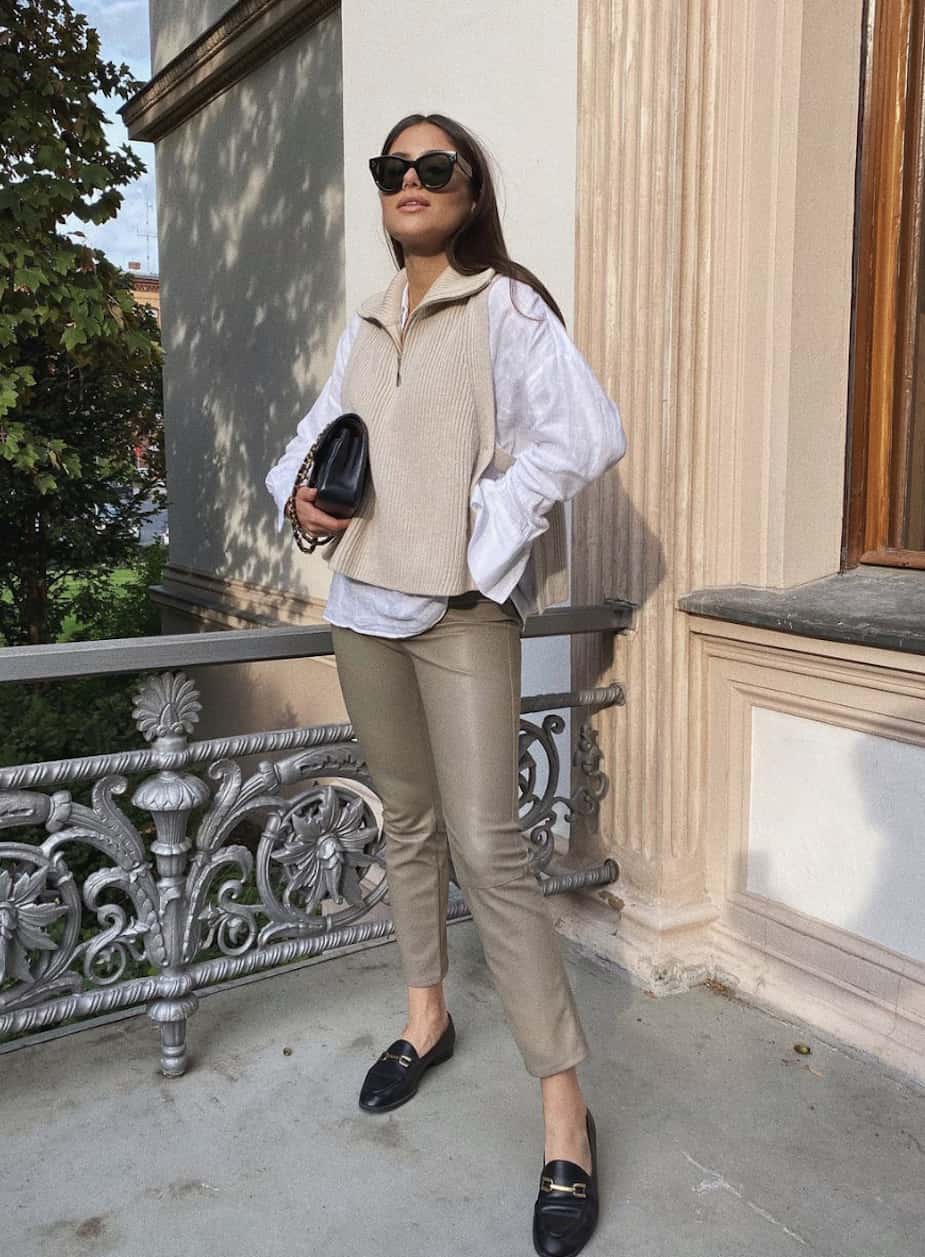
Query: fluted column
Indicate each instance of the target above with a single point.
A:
(646, 147)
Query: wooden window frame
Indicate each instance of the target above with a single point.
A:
(886, 263)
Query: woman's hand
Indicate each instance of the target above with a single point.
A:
(312, 520)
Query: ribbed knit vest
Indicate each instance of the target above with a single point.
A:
(427, 397)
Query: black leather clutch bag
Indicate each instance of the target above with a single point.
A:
(337, 465)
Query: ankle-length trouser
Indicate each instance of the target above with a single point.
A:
(437, 717)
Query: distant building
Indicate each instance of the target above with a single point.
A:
(146, 288)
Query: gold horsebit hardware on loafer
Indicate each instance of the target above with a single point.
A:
(576, 1189)
(392, 1056)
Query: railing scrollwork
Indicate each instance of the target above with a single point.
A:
(242, 872)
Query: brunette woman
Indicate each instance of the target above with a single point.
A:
(483, 419)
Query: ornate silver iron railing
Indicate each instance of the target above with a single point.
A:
(218, 902)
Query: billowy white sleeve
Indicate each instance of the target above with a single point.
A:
(566, 433)
(280, 477)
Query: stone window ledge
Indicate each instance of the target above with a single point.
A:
(869, 606)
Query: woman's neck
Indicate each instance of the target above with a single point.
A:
(422, 271)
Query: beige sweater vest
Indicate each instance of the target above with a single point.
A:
(427, 398)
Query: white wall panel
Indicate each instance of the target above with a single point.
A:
(837, 827)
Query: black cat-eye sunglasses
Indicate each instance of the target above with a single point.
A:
(434, 169)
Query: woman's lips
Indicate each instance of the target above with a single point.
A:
(412, 206)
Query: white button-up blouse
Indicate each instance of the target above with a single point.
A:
(551, 416)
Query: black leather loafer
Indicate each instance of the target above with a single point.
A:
(394, 1077)
(565, 1212)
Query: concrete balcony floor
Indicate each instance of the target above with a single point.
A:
(715, 1138)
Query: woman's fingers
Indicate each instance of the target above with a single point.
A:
(311, 517)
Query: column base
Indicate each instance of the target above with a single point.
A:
(665, 948)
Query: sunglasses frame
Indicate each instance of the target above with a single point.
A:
(456, 160)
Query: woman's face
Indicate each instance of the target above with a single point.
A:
(425, 228)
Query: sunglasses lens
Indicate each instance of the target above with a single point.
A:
(435, 170)
(388, 172)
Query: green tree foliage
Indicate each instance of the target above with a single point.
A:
(80, 361)
(45, 720)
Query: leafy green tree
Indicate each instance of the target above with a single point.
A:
(80, 360)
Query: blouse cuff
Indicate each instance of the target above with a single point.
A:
(501, 539)
(280, 501)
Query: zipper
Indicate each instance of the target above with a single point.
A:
(398, 341)
(401, 341)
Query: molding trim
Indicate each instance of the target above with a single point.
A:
(859, 990)
(737, 676)
(250, 33)
(232, 603)
(810, 656)
(888, 1026)
(883, 1019)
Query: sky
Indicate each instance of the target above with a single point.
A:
(123, 31)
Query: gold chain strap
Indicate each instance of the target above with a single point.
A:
(306, 543)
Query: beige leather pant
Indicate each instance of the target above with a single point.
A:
(437, 717)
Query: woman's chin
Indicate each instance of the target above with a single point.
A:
(425, 236)
(414, 233)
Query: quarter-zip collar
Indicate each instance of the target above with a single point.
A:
(450, 285)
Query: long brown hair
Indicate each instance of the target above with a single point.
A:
(479, 242)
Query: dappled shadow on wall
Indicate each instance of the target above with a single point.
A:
(252, 267)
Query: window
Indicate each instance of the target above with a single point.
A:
(885, 492)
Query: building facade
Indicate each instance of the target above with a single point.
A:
(146, 288)
(693, 182)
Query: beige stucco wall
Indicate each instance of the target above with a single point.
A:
(806, 782)
(779, 320)
(732, 212)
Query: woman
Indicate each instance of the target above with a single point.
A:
(483, 418)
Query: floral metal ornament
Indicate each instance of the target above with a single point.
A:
(167, 706)
(23, 919)
(328, 832)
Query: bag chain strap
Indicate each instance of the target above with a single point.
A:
(306, 543)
